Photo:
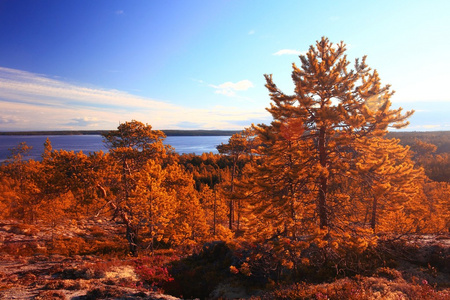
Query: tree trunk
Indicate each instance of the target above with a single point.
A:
(214, 212)
(373, 220)
(125, 179)
(131, 232)
(132, 239)
(230, 226)
(151, 225)
(323, 181)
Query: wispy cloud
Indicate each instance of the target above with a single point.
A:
(8, 119)
(35, 89)
(119, 12)
(198, 80)
(251, 32)
(31, 101)
(84, 122)
(229, 88)
(431, 126)
(288, 52)
(428, 127)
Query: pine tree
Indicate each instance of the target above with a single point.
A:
(391, 183)
(437, 218)
(239, 147)
(73, 174)
(131, 147)
(154, 206)
(166, 207)
(306, 172)
(21, 177)
(156, 198)
(215, 207)
(188, 226)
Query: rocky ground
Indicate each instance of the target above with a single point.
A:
(42, 262)
(58, 277)
(29, 270)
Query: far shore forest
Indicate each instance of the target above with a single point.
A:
(314, 195)
(169, 132)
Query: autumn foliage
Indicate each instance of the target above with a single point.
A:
(315, 194)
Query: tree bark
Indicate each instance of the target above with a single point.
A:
(131, 232)
(230, 216)
(323, 181)
(373, 220)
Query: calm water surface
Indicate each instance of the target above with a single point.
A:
(93, 143)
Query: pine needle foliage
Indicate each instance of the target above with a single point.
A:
(324, 155)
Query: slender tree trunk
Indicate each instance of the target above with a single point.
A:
(238, 214)
(231, 199)
(131, 232)
(373, 220)
(291, 192)
(132, 239)
(151, 225)
(125, 179)
(323, 181)
(214, 212)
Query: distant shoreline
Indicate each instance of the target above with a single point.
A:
(180, 132)
(100, 132)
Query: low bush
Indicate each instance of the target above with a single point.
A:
(153, 270)
(103, 292)
(358, 288)
(197, 275)
(51, 295)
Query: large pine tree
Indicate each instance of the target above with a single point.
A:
(308, 173)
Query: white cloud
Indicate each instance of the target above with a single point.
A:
(84, 122)
(197, 80)
(428, 127)
(251, 32)
(36, 89)
(288, 52)
(31, 101)
(431, 126)
(229, 88)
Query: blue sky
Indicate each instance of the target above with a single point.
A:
(200, 64)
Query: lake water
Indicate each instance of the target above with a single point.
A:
(93, 143)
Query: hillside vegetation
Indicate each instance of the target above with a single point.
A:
(319, 204)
